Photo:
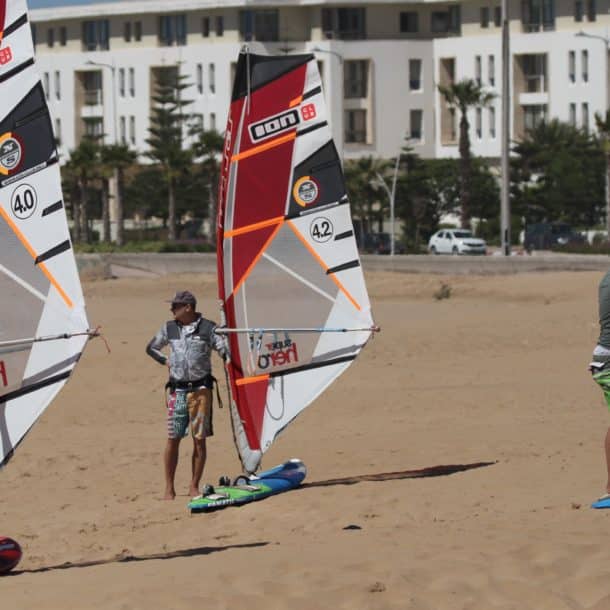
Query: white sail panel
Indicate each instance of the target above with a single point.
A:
(41, 302)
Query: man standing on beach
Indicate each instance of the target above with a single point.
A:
(600, 367)
(191, 339)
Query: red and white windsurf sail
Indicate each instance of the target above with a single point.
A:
(290, 280)
(43, 324)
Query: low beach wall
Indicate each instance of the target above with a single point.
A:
(98, 266)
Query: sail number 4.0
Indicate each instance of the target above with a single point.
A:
(321, 229)
(23, 201)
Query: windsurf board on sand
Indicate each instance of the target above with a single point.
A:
(252, 487)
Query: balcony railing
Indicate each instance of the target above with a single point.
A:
(93, 97)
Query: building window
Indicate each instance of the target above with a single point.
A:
(572, 66)
(63, 35)
(96, 35)
(220, 26)
(205, 27)
(416, 122)
(484, 16)
(200, 78)
(478, 70)
(127, 31)
(355, 127)
(538, 15)
(50, 38)
(58, 132)
(584, 66)
(409, 22)
(132, 130)
(533, 116)
(579, 10)
(260, 25)
(446, 22)
(212, 77)
(491, 70)
(132, 82)
(122, 82)
(137, 31)
(355, 81)
(123, 130)
(534, 73)
(591, 10)
(345, 23)
(46, 84)
(92, 85)
(498, 16)
(213, 121)
(492, 122)
(452, 124)
(479, 122)
(572, 117)
(172, 30)
(585, 116)
(57, 85)
(94, 128)
(415, 74)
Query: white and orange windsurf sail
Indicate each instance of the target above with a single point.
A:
(43, 324)
(290, 280)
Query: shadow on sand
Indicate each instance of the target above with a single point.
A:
(125, 558)
(430, 471)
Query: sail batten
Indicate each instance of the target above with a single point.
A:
(290, 281)
(44, 324)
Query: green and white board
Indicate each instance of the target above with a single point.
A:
(250, 488)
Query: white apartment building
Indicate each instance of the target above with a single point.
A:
(381, 63)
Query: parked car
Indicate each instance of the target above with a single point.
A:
(545, 235)
(456, 241)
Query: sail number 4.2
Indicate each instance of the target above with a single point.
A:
(23, 201)
(321, 229)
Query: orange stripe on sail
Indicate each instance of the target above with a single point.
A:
(263, 147)
(247, 380)
(33, 254)
(295, 102)
(324, 266)
(256, 258)
(254, 227)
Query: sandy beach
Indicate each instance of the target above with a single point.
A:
(496, 373)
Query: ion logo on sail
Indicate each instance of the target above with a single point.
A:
(10, 153)
(273, 125)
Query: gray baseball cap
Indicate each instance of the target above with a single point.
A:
(184, 297)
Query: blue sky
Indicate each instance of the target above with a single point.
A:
(51, 3)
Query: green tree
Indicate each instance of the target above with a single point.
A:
(169, 123)
(208, 150)
(368, 201)
(84, 165)
(463, 95)
(603, 127)
(558, 174)
(116, 158)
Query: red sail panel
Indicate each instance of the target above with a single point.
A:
(2, 16)
(251, 400)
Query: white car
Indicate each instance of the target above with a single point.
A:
(456, 241)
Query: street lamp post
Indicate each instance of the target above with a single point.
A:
(115, 172)
(505, 239)
(391, 197)
(606, 40)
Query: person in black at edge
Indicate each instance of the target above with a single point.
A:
(191, 339)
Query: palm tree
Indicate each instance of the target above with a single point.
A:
(85, 163)
(208, 149)
(603, 126)
(463, 95)
(117, 157)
